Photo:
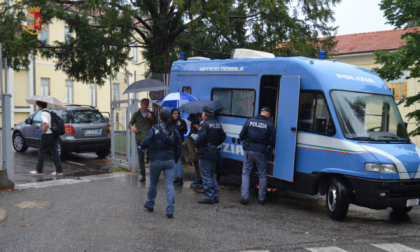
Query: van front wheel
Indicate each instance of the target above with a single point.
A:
(338, 199)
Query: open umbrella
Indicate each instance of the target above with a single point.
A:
(146, 85)
(52, 103)
(197, 106)
(174, 100)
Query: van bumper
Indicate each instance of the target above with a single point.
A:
(381, 194)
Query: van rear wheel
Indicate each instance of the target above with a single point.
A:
(402, 210)
(337, 199)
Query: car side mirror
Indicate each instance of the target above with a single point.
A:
(28, 121)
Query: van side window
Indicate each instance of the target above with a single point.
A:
(314, 115)
(186, 90)
(235, 102)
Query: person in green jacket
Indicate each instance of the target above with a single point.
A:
(141, 122)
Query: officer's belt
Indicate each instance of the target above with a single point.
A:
(261, 144)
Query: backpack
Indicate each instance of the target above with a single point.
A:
(57, 124)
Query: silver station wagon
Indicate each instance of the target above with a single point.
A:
(86, 130)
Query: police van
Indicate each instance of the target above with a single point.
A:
(339, 131)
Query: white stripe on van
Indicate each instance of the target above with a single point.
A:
(418, 170)
(231, 128)
(328, 142)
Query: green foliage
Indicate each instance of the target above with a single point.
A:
(401, 13)
(105, 31)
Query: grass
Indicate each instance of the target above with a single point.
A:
(116, 168)
(120, 142)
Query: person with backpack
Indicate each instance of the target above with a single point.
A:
(165, 147)
(49, 139)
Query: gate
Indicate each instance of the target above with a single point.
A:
(123, 144)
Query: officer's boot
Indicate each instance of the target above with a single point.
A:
(180, 182)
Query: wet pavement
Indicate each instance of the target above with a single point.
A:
(74, 165)
(108, 215)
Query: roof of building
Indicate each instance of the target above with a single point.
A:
(370, 41)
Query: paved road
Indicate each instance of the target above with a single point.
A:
(107, 215)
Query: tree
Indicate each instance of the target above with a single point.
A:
(106, 29)
(401, 13)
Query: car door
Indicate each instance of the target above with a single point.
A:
(29, 130)
(37, 129)
(284, 159)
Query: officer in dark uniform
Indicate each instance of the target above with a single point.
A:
(210, 136)
(257, 134)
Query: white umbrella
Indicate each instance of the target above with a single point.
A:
(52, 102)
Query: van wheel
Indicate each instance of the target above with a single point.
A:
(338, 199)
(19, 143)
(402, 210)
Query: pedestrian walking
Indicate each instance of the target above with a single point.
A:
(49, 142)
(210, 136)
(257, 134)
(182, 129)
(141, 122)
(165, 147)
(195, 120)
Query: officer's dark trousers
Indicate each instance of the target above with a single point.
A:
(207, 171)
(260, 161)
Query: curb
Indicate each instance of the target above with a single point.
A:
(3, 215)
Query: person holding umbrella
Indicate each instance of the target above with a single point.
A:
(141, 122)
(48, 142)
(182, 129)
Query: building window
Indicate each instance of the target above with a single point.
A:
(186, 90)
(43, 36)
(45, 86)
(398, 90)
(235, 102)
(67, 33)
(69, 91)
(314, 115)
(134, 52)
(92, 88)
(116, 90)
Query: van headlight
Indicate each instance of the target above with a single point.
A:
(382, 168)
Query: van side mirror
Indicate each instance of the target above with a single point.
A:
(28, 121)
(331, 129)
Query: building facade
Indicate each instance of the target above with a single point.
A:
(20, 84)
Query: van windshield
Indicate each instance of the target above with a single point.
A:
(371, 117)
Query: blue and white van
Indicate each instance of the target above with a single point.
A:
(339, 131)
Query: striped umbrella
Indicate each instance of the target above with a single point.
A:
(175, 100)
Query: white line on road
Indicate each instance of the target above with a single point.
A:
(395, 247)
(326, 249)
(67, 181)
(71, 162)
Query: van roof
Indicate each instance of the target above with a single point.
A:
(316, 74)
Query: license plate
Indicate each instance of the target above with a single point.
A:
(93, 132)
(412, 202)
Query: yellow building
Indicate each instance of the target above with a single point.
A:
(357, 49)
(20, 84)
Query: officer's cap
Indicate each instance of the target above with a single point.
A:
(164, 115)
(266, 109)
(208, 110)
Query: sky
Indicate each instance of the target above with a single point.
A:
(357, 16)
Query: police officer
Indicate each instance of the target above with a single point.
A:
(210, 136)
(257, 134)
(165, 147)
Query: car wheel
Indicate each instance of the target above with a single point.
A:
(19, 143)
(402, 210)
(337, 199)
(102, 153)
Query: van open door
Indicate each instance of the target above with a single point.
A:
(287, 118)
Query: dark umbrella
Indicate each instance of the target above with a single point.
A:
(193, 107)
(146, 85)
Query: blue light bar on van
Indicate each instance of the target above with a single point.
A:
(322, 54)
(182, 56)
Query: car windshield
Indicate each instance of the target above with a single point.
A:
(87, 116)
(366, 116)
